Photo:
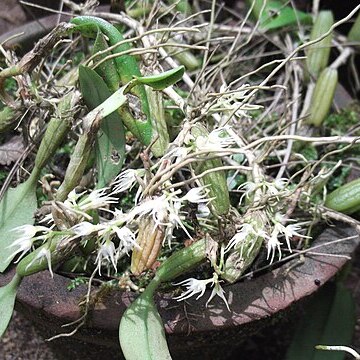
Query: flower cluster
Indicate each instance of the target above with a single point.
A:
(115, 237)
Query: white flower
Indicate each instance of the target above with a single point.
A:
(218, 139)
(203, 211)
(126, 237)
(273, 244)
(43, 253)
(27, 238)
(29, 231)
(196, 195)
(249, 188)
(125, 180)
(233, 101)
(178, 153)
(73, 197)
(96, 200)
(106, 252)
(245, 231)
(292, 230)
(193, 287)
(85, 228)
(24, 245)
(281, 183)
(219, 291)
(160, 208)
(165, 211)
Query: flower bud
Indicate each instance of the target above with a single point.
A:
(150, 239)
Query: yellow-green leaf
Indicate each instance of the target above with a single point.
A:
(163, 80)
(141, 332)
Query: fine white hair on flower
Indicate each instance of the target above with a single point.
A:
(126, 180)
(249, 188)
(244, 231)
(217, 139)
(27, 238)
(106, 252)
(158, 208)
(289, 231)
(42, 253)
(126, 237)
(97, 199)
(195, 286)
(196, 195)
(29, 231)
(273, 245)
(85, 228)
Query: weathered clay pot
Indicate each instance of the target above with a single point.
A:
(194, 331)
(254, 304)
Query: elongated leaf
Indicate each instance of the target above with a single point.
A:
(282, 16)
(163, 80)
(329, 320)
(107, 69)
(141, 332)
(110, 145)
(16, 208)
(275, 15)
(7, 301)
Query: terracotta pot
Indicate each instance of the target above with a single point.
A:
(194, 331)
(254, 304)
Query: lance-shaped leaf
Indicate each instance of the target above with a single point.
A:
(7, 302)
(163, 80)
(110, 144)
(106, 69)
(329, 320)
(141, 332)
(16, 208)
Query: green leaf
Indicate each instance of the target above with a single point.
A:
(16, 208)
(7, 302)
(141, 332)
(107, 69)
(275, 15)
(163, 80)
(329, 320)
(282, 16)
(110, 145)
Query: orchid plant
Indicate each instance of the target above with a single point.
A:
(206, 166)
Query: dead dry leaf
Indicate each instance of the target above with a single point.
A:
(11, 150)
